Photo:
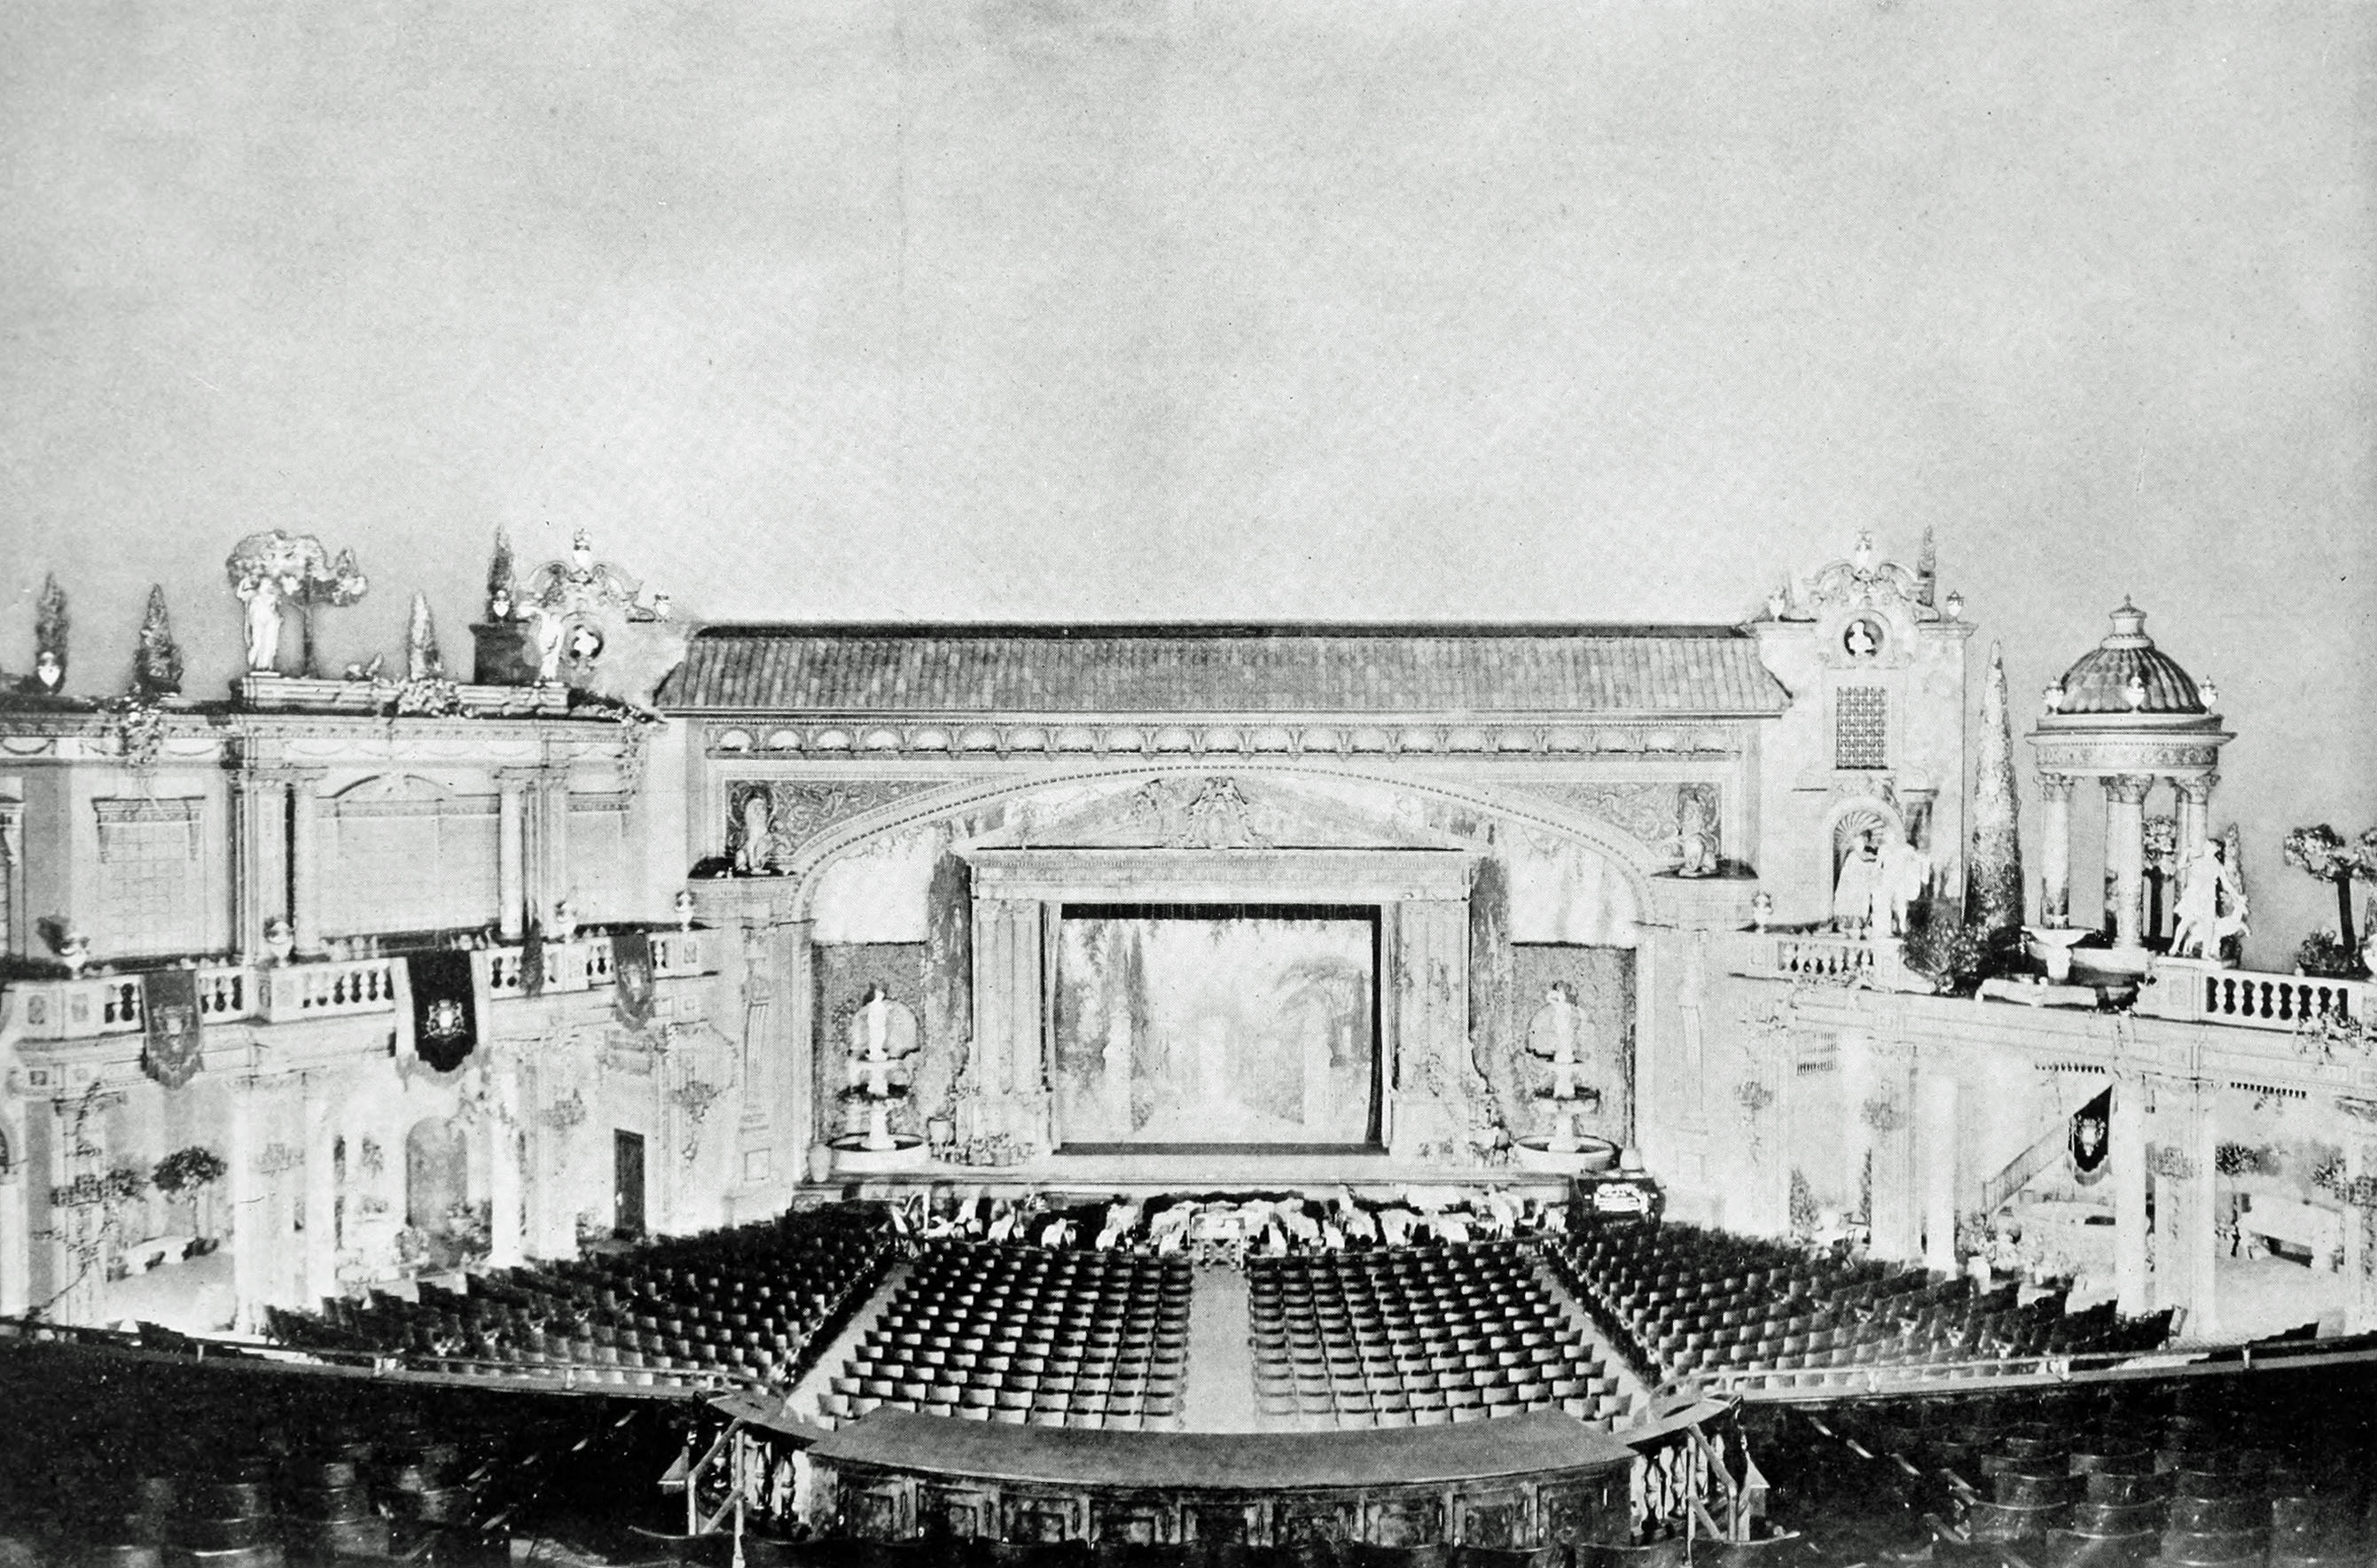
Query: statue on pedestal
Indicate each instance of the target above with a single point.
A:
(1552, 1036)
(560, 595)
(273, 571)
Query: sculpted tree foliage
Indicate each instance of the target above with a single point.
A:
(2325, 854)
(274, 571)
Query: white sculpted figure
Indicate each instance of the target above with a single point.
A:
(273, 571)
(1901, 874)
(1853, 894)
(2211, 904)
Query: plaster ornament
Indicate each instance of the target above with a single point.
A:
(1955, 605)
(2207, 691)
(2053, 696)
(683, 904)
(279, 940)
(1762, 910)
(563, 927)
(2135, 694)
(73, 952)
(2210, 904)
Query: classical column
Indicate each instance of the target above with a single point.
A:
(321, 1195)
(2359, 1232)
(2055, 850)
(15, 935)
(502, 1122)
(1888, 1115)
(2195, 812)
(16, 1229)
(304, 859)
(1937, 1146)
(2125, 795)
(2182, 1162)
(553, 881)
(250, 1231)
(256, 831)
(511, 849)
(2126, 1157)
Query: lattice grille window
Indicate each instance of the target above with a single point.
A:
(151, 880)
(1861, 727)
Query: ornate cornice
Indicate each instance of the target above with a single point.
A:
(977, 738)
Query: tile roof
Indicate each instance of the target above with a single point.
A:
(1658, 671)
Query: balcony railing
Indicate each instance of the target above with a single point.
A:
(2253, 998)
(1824, 957)
(113, 1005)
(98, 1006)
(336, 989)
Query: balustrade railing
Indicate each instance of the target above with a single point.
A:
(2253, 998)
(98, 1006)
(338, 988)
(116, 1004)
(1811, 955)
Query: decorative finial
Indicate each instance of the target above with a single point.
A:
(2136, 692)
(1862, 556)
(1955, 605)
(2054, 696)
(581, 542)
(2207, 691)
(1927, 570)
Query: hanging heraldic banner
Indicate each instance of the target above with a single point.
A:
(631, 977)
(170, 1002)
(444, 1010)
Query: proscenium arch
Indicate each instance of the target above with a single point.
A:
(1636, 860)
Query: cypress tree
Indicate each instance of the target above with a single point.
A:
(157, 666)
(1993, 890)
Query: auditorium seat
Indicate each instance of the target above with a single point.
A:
(1409, 1336)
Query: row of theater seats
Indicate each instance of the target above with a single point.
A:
(1680, 1300)
(986, 1331)
(1108, 1552)
(1418, 1336)
(747, 1303)
(2218, 1478)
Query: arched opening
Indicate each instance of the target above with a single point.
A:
(436, 1174)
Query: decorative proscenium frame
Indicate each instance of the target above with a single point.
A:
(1422, 896)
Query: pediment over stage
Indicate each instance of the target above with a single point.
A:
(1213, 813)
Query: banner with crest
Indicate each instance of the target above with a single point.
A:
(170, 1003)
(631, 977)
(445, 1008)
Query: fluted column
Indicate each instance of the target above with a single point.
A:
(511, 849)
(2126, 1158)
(305, 858)
(2125, 795)
(2055, 850)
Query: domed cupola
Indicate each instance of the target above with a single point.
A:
(2126, 673)
(2128, 716)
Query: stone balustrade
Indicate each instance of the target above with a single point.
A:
(112, 1004)
(679, 953)
(585, 965)
(1814, 956)
(2254, 999)
(339, 988)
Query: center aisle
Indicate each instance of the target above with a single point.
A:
(1219, 1395)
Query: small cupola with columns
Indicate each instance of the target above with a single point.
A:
(2128, 716)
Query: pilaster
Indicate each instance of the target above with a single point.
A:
(304, 856)
(1887, 1114)
(1939, 1148)
(512, 786)
(321, 1195)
